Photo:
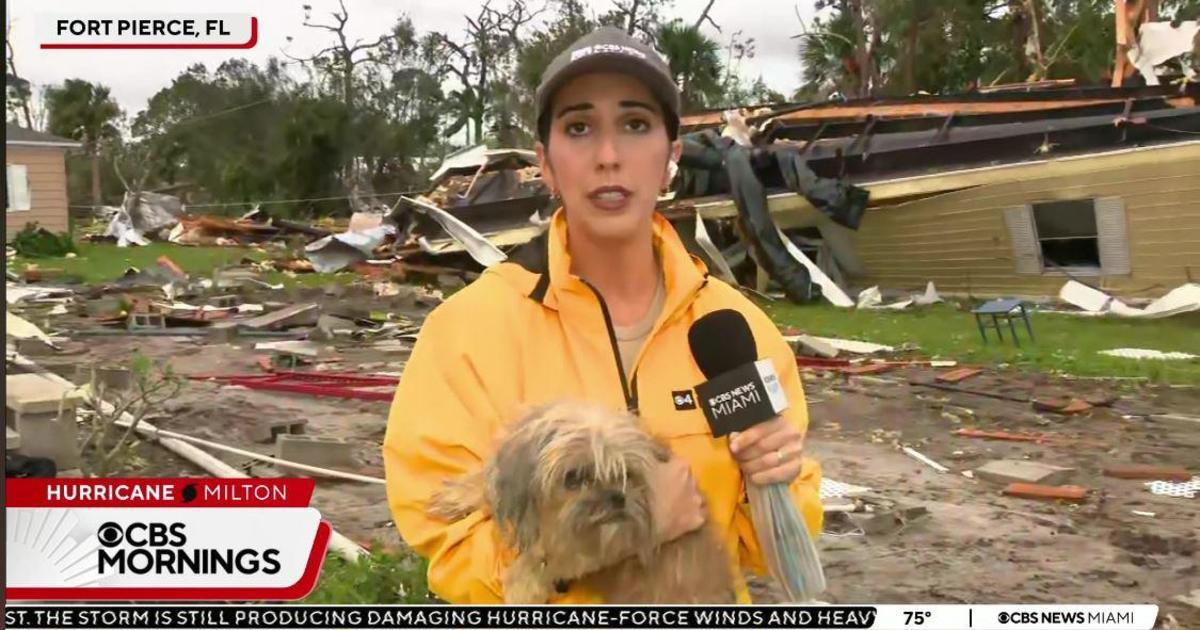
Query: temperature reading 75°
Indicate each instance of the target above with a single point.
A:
(915, 617)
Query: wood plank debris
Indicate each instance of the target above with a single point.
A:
(1147, 472)
(1072, 494)
(961, 374)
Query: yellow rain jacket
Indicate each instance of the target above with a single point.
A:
(529, 332)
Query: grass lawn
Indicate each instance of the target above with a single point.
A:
(97, 263)
(1065, 344)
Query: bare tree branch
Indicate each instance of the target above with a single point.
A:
(705, 16)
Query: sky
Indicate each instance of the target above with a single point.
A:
(134, 76)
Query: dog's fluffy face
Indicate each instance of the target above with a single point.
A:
(572, 481)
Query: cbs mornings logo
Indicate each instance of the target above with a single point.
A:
(159, 548)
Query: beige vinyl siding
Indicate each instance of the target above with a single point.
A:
(963, 240)
(47, 173)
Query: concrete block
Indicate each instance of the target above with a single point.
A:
(225, 301)
(37, 393)
(267, 429)
(804, 344)
(314, 450)
(222, 332)
(1006, 471)
(143, 321)
(114, 378)
(51, 435)
(34, 347)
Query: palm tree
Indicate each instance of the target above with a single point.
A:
(695, 62)
(85, 112)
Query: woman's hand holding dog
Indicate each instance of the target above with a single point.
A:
(769, 452)
(678, 505)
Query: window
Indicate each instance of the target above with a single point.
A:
(1066, 233)
(16, 192)
(1078, 236)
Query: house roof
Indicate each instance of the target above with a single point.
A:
(14, 134)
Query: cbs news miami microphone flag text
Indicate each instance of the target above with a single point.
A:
(162, 539)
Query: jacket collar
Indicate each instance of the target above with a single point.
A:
(684, 274)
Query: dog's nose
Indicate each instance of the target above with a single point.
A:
(616, 499)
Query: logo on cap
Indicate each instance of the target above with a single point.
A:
(598, 49)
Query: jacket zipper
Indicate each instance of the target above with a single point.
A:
(631, 401)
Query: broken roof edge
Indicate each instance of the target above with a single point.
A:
(477, 156)
(1051, 97)
(891, 189)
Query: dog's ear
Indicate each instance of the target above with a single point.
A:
(513, 490)
(662, 452)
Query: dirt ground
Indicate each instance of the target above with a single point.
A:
(976, 545)
(971, 545)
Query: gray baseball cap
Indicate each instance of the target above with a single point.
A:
(610, 49)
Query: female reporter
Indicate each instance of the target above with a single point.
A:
(597, 309)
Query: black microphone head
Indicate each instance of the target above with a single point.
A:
(722, 341)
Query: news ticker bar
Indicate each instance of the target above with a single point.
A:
(883, 617)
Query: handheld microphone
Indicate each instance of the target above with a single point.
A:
(741, 390)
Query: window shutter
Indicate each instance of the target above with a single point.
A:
(1112, 236)
(1027, 254)
(18, 187)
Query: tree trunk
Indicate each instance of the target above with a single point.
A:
(910, 58)
(96, 177)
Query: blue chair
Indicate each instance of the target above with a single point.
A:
(1006, 309)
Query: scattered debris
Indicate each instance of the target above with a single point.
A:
(332, 384)
(1074, 494)
(872, 298)
(338, 251)
(296, 315)
(1182, 299)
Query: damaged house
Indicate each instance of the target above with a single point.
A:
(1010, 191)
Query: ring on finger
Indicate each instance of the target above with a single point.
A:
(778, 456)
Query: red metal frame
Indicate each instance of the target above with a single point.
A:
(331, 384)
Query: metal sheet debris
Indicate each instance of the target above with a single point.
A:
(714, 254)
(480, 249)
(1159, 42)
(338, 251)
(829, 289)
(913, 453)
(1146, 354)
(1182, 299)
(1183, 490)
(21, 328)
(831, 489)
(855, 347)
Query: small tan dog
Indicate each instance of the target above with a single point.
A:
(569, 491)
